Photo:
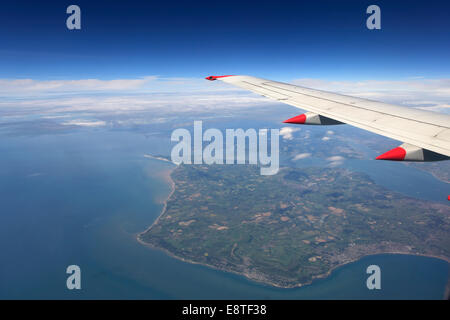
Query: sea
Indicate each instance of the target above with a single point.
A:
(80, 197)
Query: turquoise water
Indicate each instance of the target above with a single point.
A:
(81, 197)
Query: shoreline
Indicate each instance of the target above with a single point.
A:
(168, 179)
(264, 281)
(149, 156)
(434, 174)
(294, 286)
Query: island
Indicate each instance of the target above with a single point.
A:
(293, 227)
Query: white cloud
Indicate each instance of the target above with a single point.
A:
(146, 84)
(166, 95)
(302, 156)
(335, 164)
(445, 108)
(30, 86)
(186, 95)
(335, 158)
(286, 132)
(85, 123)
(329, 133)
(428, 94)
(438, 87)
(335, 161)
(164, 103)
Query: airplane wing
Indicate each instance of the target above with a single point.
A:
(425, 134)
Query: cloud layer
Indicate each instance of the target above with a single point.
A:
(151, 93)
(181, 95)
(427, 94)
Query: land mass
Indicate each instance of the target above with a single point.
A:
(440, 170)
(291, 228)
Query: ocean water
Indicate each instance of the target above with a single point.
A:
(81, 197)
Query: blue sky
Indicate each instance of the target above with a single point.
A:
(282, 40)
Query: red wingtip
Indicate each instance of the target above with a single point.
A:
(212, 78)
(396, 154)
(448, 197)
(298, 119)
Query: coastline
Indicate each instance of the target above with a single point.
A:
(169, 180)
(263, 279)
(434, 174)
(266, 281)
(149, 156)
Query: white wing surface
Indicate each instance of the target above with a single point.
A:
(426, 134)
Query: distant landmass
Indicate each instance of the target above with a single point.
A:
(291, 228)
(440, 170)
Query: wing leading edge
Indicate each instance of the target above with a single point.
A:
(426, 134)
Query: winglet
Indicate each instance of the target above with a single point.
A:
(212, 78)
